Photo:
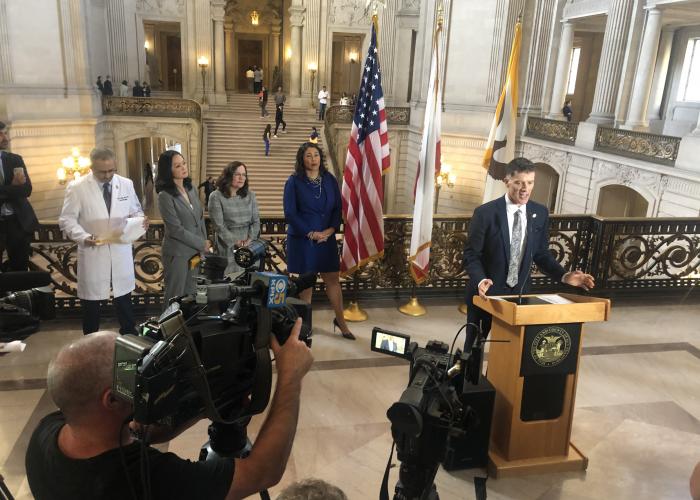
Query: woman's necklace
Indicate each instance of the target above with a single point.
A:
(316, 182)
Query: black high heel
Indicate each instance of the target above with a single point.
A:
(346, 335)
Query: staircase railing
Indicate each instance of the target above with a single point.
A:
(151, 106)
(654, 148)
(625, 256)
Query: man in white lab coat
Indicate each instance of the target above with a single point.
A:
(94, 214)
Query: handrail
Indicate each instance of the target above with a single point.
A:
(552, 130)
(151, 106)
(654, 148)
(625, 256)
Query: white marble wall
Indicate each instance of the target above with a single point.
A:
(669, 192)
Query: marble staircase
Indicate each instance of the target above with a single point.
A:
(234, 132)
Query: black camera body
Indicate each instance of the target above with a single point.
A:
(442, 417)
(208, 354)
(25, 300)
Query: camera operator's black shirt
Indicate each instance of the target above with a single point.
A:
(52, 475)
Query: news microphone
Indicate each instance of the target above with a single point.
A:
(528, 262)
(14, 281)
(302, 282)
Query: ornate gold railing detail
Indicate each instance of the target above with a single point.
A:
(151, 106)
(624, 256)
(640, 145)
(552, 130)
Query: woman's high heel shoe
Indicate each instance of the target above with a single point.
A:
(346, 335)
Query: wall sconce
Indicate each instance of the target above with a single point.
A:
(353, 57)
(203, 62)
(445, 177)
(73, 166)
(146, 45)
(254, 18)
(288, 53)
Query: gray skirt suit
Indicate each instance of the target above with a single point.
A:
(185, 236)
(234, 219)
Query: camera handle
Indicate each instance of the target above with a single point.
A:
(228, 441)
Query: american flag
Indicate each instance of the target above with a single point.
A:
(367, 160)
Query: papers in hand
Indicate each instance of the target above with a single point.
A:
(133, 230)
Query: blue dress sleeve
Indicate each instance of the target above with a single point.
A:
(292, 213)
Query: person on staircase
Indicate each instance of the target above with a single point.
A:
(262, 99)
(312, 208)
(233, 210)
(266, 138)
(279, 118)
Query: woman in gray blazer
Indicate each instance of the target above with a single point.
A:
(183, 217)
(233, 211)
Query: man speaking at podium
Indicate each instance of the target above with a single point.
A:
(505, 236)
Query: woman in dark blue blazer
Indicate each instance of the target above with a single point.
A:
(312, 207)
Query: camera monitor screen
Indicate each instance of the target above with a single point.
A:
(392, 343)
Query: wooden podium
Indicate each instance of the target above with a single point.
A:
(534, 372)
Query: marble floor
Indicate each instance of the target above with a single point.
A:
(637, 407)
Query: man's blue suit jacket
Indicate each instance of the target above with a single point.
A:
(487, 252)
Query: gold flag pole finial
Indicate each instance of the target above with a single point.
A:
(440, 14)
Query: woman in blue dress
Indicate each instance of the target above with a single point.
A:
(312, 207)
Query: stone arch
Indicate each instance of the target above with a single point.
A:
(547, 182)
(640, 201)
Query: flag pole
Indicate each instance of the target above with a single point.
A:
(354, 312)
(413, 307)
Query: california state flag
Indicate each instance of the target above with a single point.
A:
(428, 169)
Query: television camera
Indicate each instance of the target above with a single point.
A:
(25, 300)
(208, 353)
(442, 417)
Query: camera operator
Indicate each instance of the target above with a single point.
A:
(83, 450)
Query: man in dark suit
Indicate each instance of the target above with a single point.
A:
(107, 87)
(505, 236)
(17, 218)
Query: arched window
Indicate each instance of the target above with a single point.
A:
(621, 201)
(546, 183)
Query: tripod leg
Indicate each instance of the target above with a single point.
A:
(264, 495)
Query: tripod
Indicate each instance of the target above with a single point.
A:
(228, 441)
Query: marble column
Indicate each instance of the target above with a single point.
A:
(645, 71)
(5, 59)
(116, 36)
(74, 47)
(296, 18)
(561, 78)
(611, 62)
(274, 56)
(219, 59)
(663, 60)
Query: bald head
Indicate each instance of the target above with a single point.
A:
(81, 372)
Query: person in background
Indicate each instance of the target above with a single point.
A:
(312, 489)
(209, 186)
(323, 96)
(250, 77)
(312, 207)
(107, 87)
(262, 99)
(257, 79)
(100, 85)
(568, 112)
(137, 90)
(148, 186)
(266, 138)
(183, 218)
(17, 217)
(124, 89)
(233, 210)
(146, 90)
(279, 119)
(345, 100)
(313, 136)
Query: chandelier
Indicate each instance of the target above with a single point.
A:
(254, 18)
(73, 167)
